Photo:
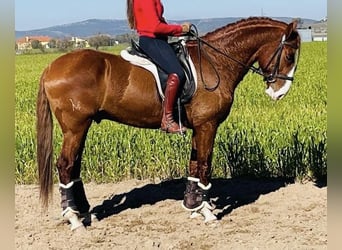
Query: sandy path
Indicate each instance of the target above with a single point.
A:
(142, 215)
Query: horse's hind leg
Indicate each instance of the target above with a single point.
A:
(73, 199)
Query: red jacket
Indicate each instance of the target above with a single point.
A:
(150, 22)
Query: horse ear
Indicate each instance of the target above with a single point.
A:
(291, 27)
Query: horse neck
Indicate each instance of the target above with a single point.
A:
(244, 38)
(242, 41)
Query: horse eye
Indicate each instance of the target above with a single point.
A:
(290, 58)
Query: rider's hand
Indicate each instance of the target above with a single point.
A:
(186, 27)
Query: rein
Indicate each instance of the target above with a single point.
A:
(269, 78)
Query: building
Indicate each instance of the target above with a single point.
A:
(79, 42)
(314, 32)
(25, 43)
(320, 31)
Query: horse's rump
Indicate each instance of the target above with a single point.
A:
(100, 85)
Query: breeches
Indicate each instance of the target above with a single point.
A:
(163, 55)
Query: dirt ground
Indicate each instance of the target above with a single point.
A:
(252, 214)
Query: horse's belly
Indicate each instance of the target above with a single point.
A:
(136, 112)
(142, 119)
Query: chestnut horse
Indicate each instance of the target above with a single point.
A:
(87, 85)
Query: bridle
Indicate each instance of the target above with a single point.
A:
(271, 78)
(268, 78)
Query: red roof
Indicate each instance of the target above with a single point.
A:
(32, 38)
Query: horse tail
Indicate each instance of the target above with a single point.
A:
(44, 128)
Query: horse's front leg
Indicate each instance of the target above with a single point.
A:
(196, 196)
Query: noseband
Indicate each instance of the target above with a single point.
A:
(269, 78)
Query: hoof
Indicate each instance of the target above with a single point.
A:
(94, 218)
(206, 212)
(208, 215)
(78, 229)
(73, 219)
(195, 214)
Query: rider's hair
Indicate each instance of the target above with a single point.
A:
(130, 14)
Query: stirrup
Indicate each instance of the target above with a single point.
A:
(181, 129)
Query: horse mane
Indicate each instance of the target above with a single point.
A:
(243, 23)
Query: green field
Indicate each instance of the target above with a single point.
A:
(260, 138)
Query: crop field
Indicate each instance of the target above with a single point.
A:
(260, 138)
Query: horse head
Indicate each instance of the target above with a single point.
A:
(278, 62)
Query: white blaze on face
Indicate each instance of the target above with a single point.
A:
(280, 93)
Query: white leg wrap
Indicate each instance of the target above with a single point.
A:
(193, 179)
(204, 187)
(73, 218)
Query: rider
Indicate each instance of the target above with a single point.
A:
(146, 16)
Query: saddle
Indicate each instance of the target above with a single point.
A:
(135, 55)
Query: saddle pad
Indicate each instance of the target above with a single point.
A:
(148, 65)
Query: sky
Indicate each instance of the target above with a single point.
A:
(36, 14)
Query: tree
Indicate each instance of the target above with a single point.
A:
(64, 44)
(99, 40)
(41, 47)
(126, 38)
(52, 43)
(35, 44)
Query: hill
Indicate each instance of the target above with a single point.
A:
(114, 27)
